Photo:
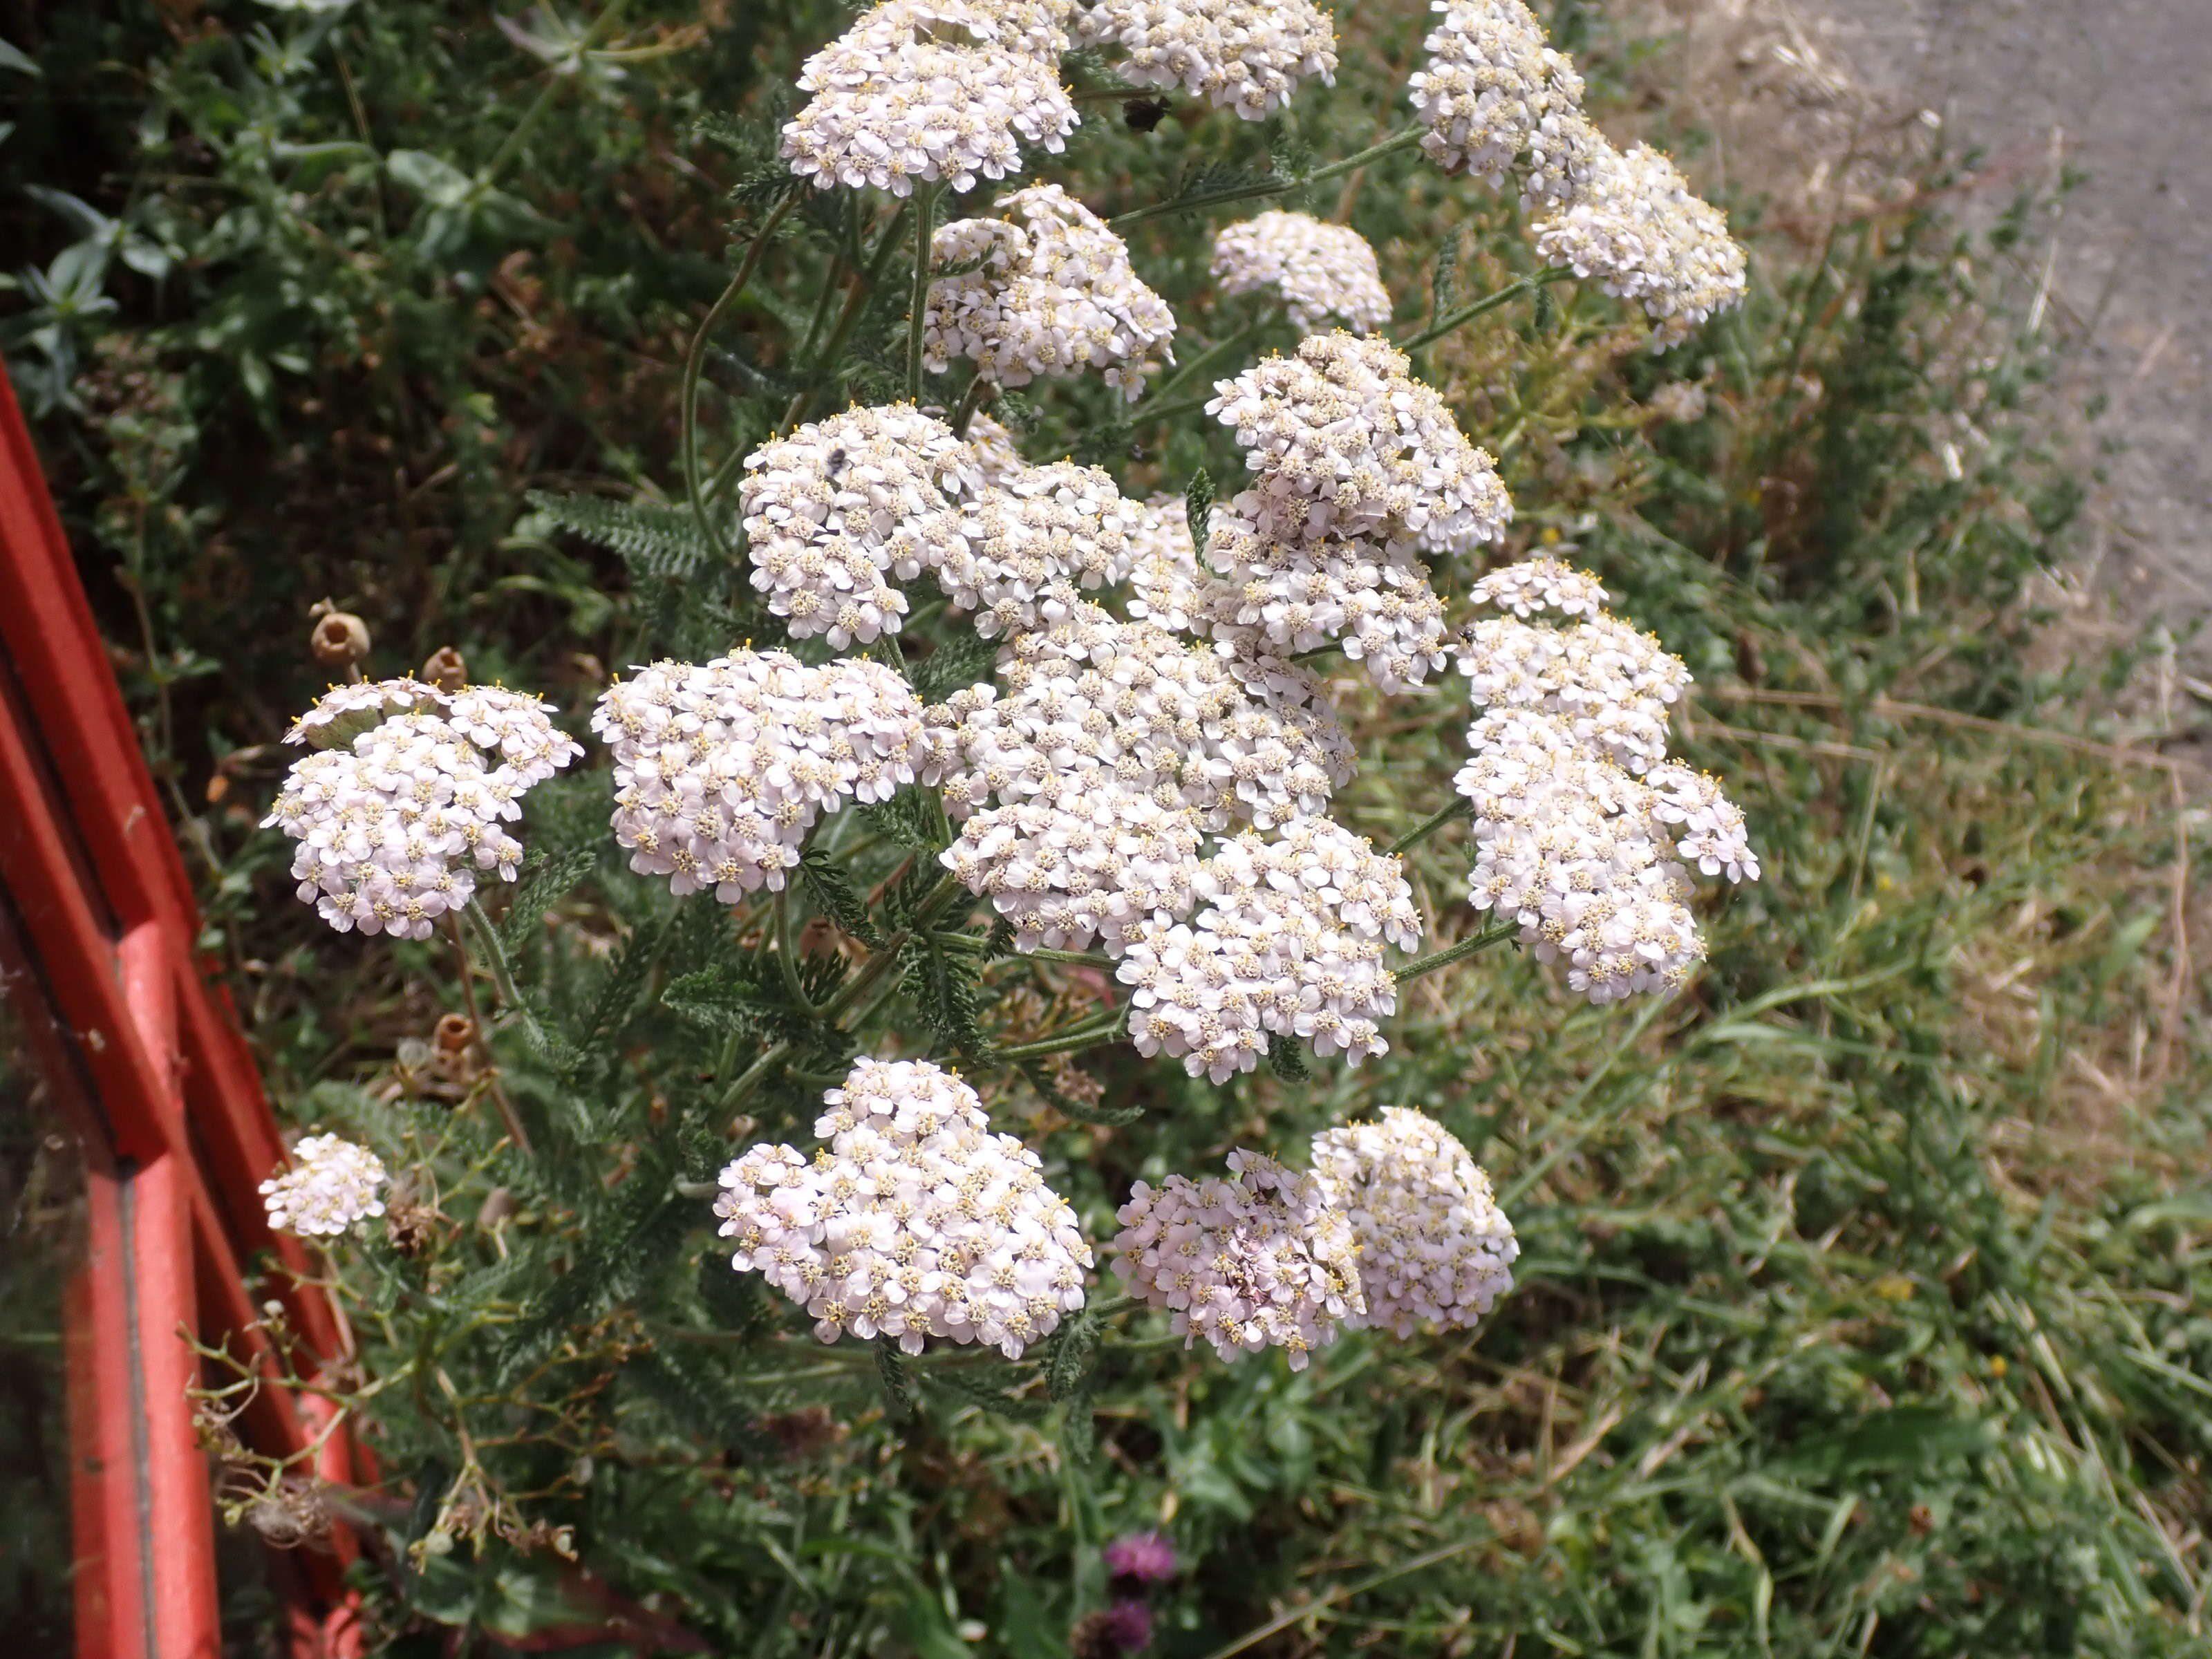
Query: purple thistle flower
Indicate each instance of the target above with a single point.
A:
(1146, 1557)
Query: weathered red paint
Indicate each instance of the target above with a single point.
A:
(177, 1131)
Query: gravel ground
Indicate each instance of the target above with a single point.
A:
(2121, 91)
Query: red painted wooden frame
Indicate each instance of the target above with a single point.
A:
(177, 1133)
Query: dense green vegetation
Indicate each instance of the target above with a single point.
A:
(1857, 1306)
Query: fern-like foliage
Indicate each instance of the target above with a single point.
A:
(655, 539)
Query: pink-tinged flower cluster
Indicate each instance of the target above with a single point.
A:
(408, 794)
(1582, 826)
(1257, 1259)
(915, 1221)
(720, 767)
(1434, 1248)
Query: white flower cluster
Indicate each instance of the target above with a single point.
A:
(1052, 293)
(1319, 270)
(1434, 1248)
(1245, 55)
(836, 511)
(1044, 528)
(1582, 825)
(1493, 94)
(1490, 82)
(917, 91)
(1342, 440)
(1256, 1261)
(833, 508)
(916, 1221)
(720, 767)
(1289, 943)
(331, 1188)
(1289, 597)
(1634, 226)
(1536, 586)
(408, 788)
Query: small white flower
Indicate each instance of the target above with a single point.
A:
(1289, 944)
(916, 1221)
(1053, 294)
(1260, 1259)
(389, 823)
(1582, 826)
(1634, 226)
(1434, 1248)
(1245, 55)
(331, 1188)
(919, 91)
(1318, 269)
(721, 768)
(1488, 85)
(1342, 442)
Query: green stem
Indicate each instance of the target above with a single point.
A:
(1428, 825)
(502, 973)
(925, 201)
(940, 896)
(1090, 1034)
(1145, 414)
(788, 962)
(978, 394)
(1397, 141)
(1451, 953)
(749, 1079)
(544, 102)
(698, 357)
(1220, 348)
(1466, 313)
(856, 303)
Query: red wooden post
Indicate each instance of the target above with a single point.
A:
(176, 1130)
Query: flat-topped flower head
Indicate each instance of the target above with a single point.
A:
(1536, 586)
(920, 91)
(1258, 1260)
(344, 712)
(1244, 55)
(395, 812)
(1434, 1248)
(720, 767)
(1043, 528)
(1584, 830)
(1051, 292)
(1635, 226)
(837, 509)
(1319, 270)
(1086, 697)
(1489, 81)
(1288, 943)
(915, 1221)
(1342, 442)
(332, 1187)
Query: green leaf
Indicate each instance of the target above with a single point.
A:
(898, 1388)
(1103, 1117)
(656, 539)
(833, 894)
(547, 878)
(957, 663)
(1197, 502)
(1287, 1058)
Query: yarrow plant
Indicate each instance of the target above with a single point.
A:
(1024, 765)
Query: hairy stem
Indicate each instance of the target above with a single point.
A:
(1428, 825)
(697, 355)
(515, 1132)
(1451, 953)
(1086, 1034)
(1466, 313)
(750, 1078)
(502, 973)
(980, 391)
(787, 961)
(925, 201)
